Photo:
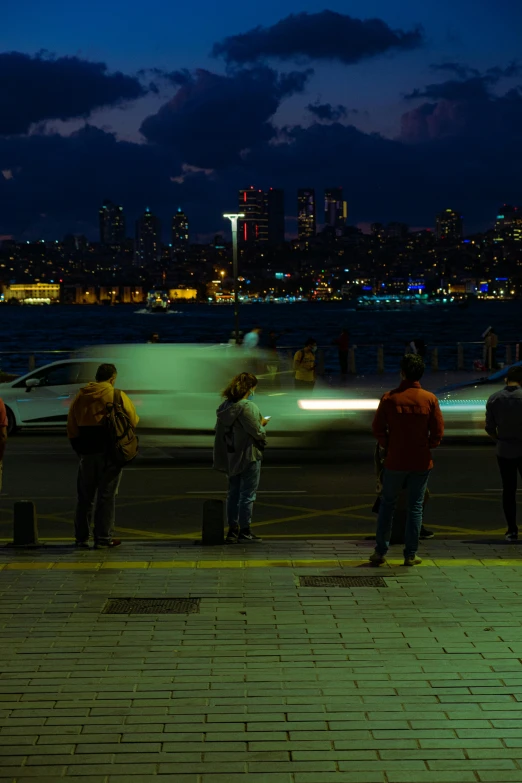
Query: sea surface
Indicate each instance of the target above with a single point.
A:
(36, 330)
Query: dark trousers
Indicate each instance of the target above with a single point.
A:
(306, 386)
(343, 361)
(97, 485)
(509, 469)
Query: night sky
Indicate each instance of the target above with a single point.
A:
(411, 107)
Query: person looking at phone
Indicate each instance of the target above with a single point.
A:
(238, 450)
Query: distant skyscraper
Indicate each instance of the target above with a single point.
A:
(449, 226)
(306, 220)
(275, 210)
(112, 224)
(148, 239)
(180, 231)
(253, 228)
(335, 209)
(508, 226)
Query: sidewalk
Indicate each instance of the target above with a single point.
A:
(416, 680)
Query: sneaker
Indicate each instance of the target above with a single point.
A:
(377, 559)
(232, 536)
(425, 533)
(247, 535)
(82, 544)
(412, 561)
(107, 544)
(511, 536)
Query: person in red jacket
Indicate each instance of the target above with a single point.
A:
(407, 424)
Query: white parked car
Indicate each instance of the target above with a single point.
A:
(42, 397)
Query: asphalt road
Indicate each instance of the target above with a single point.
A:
(302, 495)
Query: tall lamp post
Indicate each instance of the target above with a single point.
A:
(233, 220)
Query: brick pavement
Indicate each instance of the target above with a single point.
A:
(270, 682)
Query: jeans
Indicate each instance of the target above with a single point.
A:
(509, 468)
(242, 490)
(394, 481)
(97, 487)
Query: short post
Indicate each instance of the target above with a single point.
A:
(351, 361)
(212, 530)
(509, 356)
(25, 525)
(435, 360)
(460, 356)
(380, 359)
(32, 362)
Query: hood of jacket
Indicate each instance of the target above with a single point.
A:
(228, 412)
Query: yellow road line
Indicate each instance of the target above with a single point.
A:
(275, 563)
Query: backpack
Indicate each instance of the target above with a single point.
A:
(122, 446)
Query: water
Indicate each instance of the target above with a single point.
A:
(68, 327)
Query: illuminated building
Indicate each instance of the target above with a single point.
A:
(253, 228)
(335, 209)
(33, 293)
(275, 210)
(306, 220)
(112, 224)
(180, 231)
(449, 226)
(508, 226)
(148, 232)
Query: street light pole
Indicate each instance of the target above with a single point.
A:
(233, 220)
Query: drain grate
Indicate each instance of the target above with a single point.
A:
(342, 581)
(151, 606)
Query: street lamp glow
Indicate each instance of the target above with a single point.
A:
(234, 217)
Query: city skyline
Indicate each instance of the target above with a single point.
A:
(410, 107)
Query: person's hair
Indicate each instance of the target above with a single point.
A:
(105, 372)
(412, 367)
(514, 375)
(239, 386)
(310, 341)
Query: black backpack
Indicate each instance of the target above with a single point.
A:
(122, 441)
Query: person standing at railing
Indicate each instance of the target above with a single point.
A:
(343, 346)
(305, 366)
(490, 349)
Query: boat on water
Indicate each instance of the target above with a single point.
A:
(391, 302)
(158, 302)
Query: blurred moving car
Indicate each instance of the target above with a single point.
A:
(176, 390)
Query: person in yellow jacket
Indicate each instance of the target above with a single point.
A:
(305, 365)
(98, 477)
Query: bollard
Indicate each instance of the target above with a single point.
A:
(380, 359)
(25, 526)
(32, 362)
(212, 530)
(509, 356)
(460, 356)
(351, 361)
(435, 360)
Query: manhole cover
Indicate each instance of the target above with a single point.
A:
(342, 581)
(151, 606)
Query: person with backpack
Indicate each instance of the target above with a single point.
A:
(238, 450)
(101, 428)
(305, 365)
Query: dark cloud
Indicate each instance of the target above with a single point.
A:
(213, 117)
(65, 179)
(44, 87)
(326, 35)
(466, 107)
(470, 84)
(327, 112)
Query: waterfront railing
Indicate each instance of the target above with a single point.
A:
(363, 358)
